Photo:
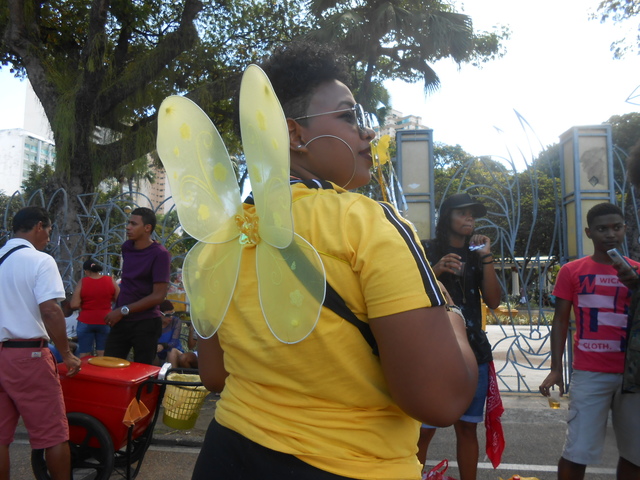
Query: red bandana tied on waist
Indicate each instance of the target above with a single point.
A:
(494, 435)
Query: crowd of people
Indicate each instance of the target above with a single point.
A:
(346, 402)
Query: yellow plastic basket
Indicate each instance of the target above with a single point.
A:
(181, 403)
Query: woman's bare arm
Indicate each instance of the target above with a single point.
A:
(428, 364)
(211, 363)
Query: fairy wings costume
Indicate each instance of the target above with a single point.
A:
(291, 276)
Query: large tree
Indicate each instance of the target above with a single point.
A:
(100, 68)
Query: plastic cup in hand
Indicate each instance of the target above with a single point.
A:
(554, 399)
(459, 271)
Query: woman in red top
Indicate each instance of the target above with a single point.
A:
(94, 296)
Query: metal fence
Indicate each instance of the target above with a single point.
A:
(519, 330)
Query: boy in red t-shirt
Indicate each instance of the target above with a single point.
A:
(600, 303)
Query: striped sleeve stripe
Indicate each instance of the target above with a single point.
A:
(429, 280)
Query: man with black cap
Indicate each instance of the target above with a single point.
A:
(463, 262)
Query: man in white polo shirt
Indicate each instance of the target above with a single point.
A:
(30, 288)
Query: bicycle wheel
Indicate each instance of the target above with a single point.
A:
(91, 450)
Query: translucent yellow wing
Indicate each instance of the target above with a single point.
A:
(290, 273)
(205, 190)
(201, 175)
(265, 140)
(291, 276)
(292, 284)
(209, 275)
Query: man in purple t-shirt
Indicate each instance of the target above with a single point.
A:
(135, 322)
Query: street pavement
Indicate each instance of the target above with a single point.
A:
(533, 431)
(534, 436)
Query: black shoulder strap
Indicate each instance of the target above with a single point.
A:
(334, 302)
(4, 257)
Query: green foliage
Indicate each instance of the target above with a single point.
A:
(548, 161)
(625, 130)
(519, 202)
(620, 11)
(399, 39)
(539, 221)
(101, 71)
(39, 178)
(173, 237)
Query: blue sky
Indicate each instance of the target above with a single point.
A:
(558, 73)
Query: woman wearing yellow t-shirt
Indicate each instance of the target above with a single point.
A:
(328, 407)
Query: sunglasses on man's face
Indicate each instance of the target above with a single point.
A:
(363, 119)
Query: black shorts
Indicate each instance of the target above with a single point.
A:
(227, 455)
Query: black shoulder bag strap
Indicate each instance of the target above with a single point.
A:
(4, 257)
(332, 300)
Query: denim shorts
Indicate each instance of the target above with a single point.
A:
(90, 335)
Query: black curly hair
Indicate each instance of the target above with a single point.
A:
(298, 68)
(602, 209)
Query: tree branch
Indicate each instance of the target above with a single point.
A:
(23, 40)
(92, 59)
(149, 67)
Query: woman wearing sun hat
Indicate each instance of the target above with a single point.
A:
(463, 262)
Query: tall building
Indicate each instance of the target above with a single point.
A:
(158, 191)
(395, 121)
(20, 148)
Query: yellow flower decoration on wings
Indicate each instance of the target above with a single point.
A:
(291, 276)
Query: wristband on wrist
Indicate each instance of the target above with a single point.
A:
(487, 256)
(487, 263)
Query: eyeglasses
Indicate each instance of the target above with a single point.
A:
(363, 119)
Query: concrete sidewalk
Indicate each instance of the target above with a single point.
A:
(534, 435)
(519, 409)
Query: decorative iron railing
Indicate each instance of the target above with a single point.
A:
(519, 330)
